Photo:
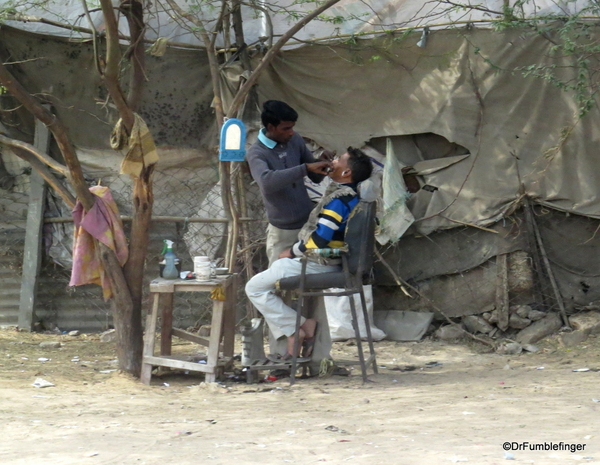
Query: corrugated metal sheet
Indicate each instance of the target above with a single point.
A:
(83, 307)
(67, 307)
(56, 304)
(11, 261)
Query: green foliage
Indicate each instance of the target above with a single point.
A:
(574, 39)
(331, 19)
(574, 43)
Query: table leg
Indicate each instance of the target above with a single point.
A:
(149, 338)
(166, 334)
(229, 319)
(216, 330)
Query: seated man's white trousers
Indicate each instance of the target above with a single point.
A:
(260, 290)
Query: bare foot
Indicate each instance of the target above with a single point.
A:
(292, 338)
(309, 327)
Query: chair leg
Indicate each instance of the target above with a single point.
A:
(355, 325)
(296, 340)
(363, 302)
(299, 309)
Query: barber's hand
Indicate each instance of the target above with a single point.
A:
(287, 253)
(319, 167)
(327, 155)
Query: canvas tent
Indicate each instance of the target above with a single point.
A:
(458, 91)
(355, 18)
(458, 86)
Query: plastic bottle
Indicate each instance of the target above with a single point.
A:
(170, 270)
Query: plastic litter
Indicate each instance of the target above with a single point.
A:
(42, 383)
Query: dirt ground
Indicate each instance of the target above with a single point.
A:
(431, 403)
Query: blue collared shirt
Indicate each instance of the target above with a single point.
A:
(265, 140)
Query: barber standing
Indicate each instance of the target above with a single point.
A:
(279, 160)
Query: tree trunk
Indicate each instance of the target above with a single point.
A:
(129, 351)
(128, 314)
(129, 343)
(126, 320)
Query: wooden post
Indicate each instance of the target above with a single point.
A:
(166, 329)
(502, 303)
(149, 338)
(553, 283)
(33, 234)
(538, 276)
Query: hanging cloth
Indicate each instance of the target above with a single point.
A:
(141, 150)
(103, 223)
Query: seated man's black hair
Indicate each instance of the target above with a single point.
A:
(360, 164)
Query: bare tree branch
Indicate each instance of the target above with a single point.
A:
(43, 170)
(241, 94)
(58, 130)
(267, 17)
(35, 152)
(94, 36)
(134, 12)
(471, 7)
(113, 59)
(40, 19)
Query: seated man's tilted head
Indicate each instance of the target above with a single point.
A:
(354, 166)
(279, 120)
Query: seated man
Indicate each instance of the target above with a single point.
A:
(325, 227)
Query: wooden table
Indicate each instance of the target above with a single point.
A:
(222, 327)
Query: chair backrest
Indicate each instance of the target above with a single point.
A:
(360, 237)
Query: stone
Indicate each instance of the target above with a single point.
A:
(536, 315)
(49, 326)
(449, 333)
(476, 324)
(400, 325)
(493, 317)
(74, 333)
(522, 310)
(540, 329)
(108, 336)
(589, 321)
(487, 316)
(530, 348)
(204, 331)
(210, 387)
(509, 348)
(574, 338)
(515, 321)
(50, 345)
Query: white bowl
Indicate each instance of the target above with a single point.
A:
(221, 271)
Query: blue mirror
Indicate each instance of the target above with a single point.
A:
(233, 141)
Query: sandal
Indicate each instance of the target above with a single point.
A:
(308, 344)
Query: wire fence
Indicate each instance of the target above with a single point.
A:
(537, 261)
(187, 210)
